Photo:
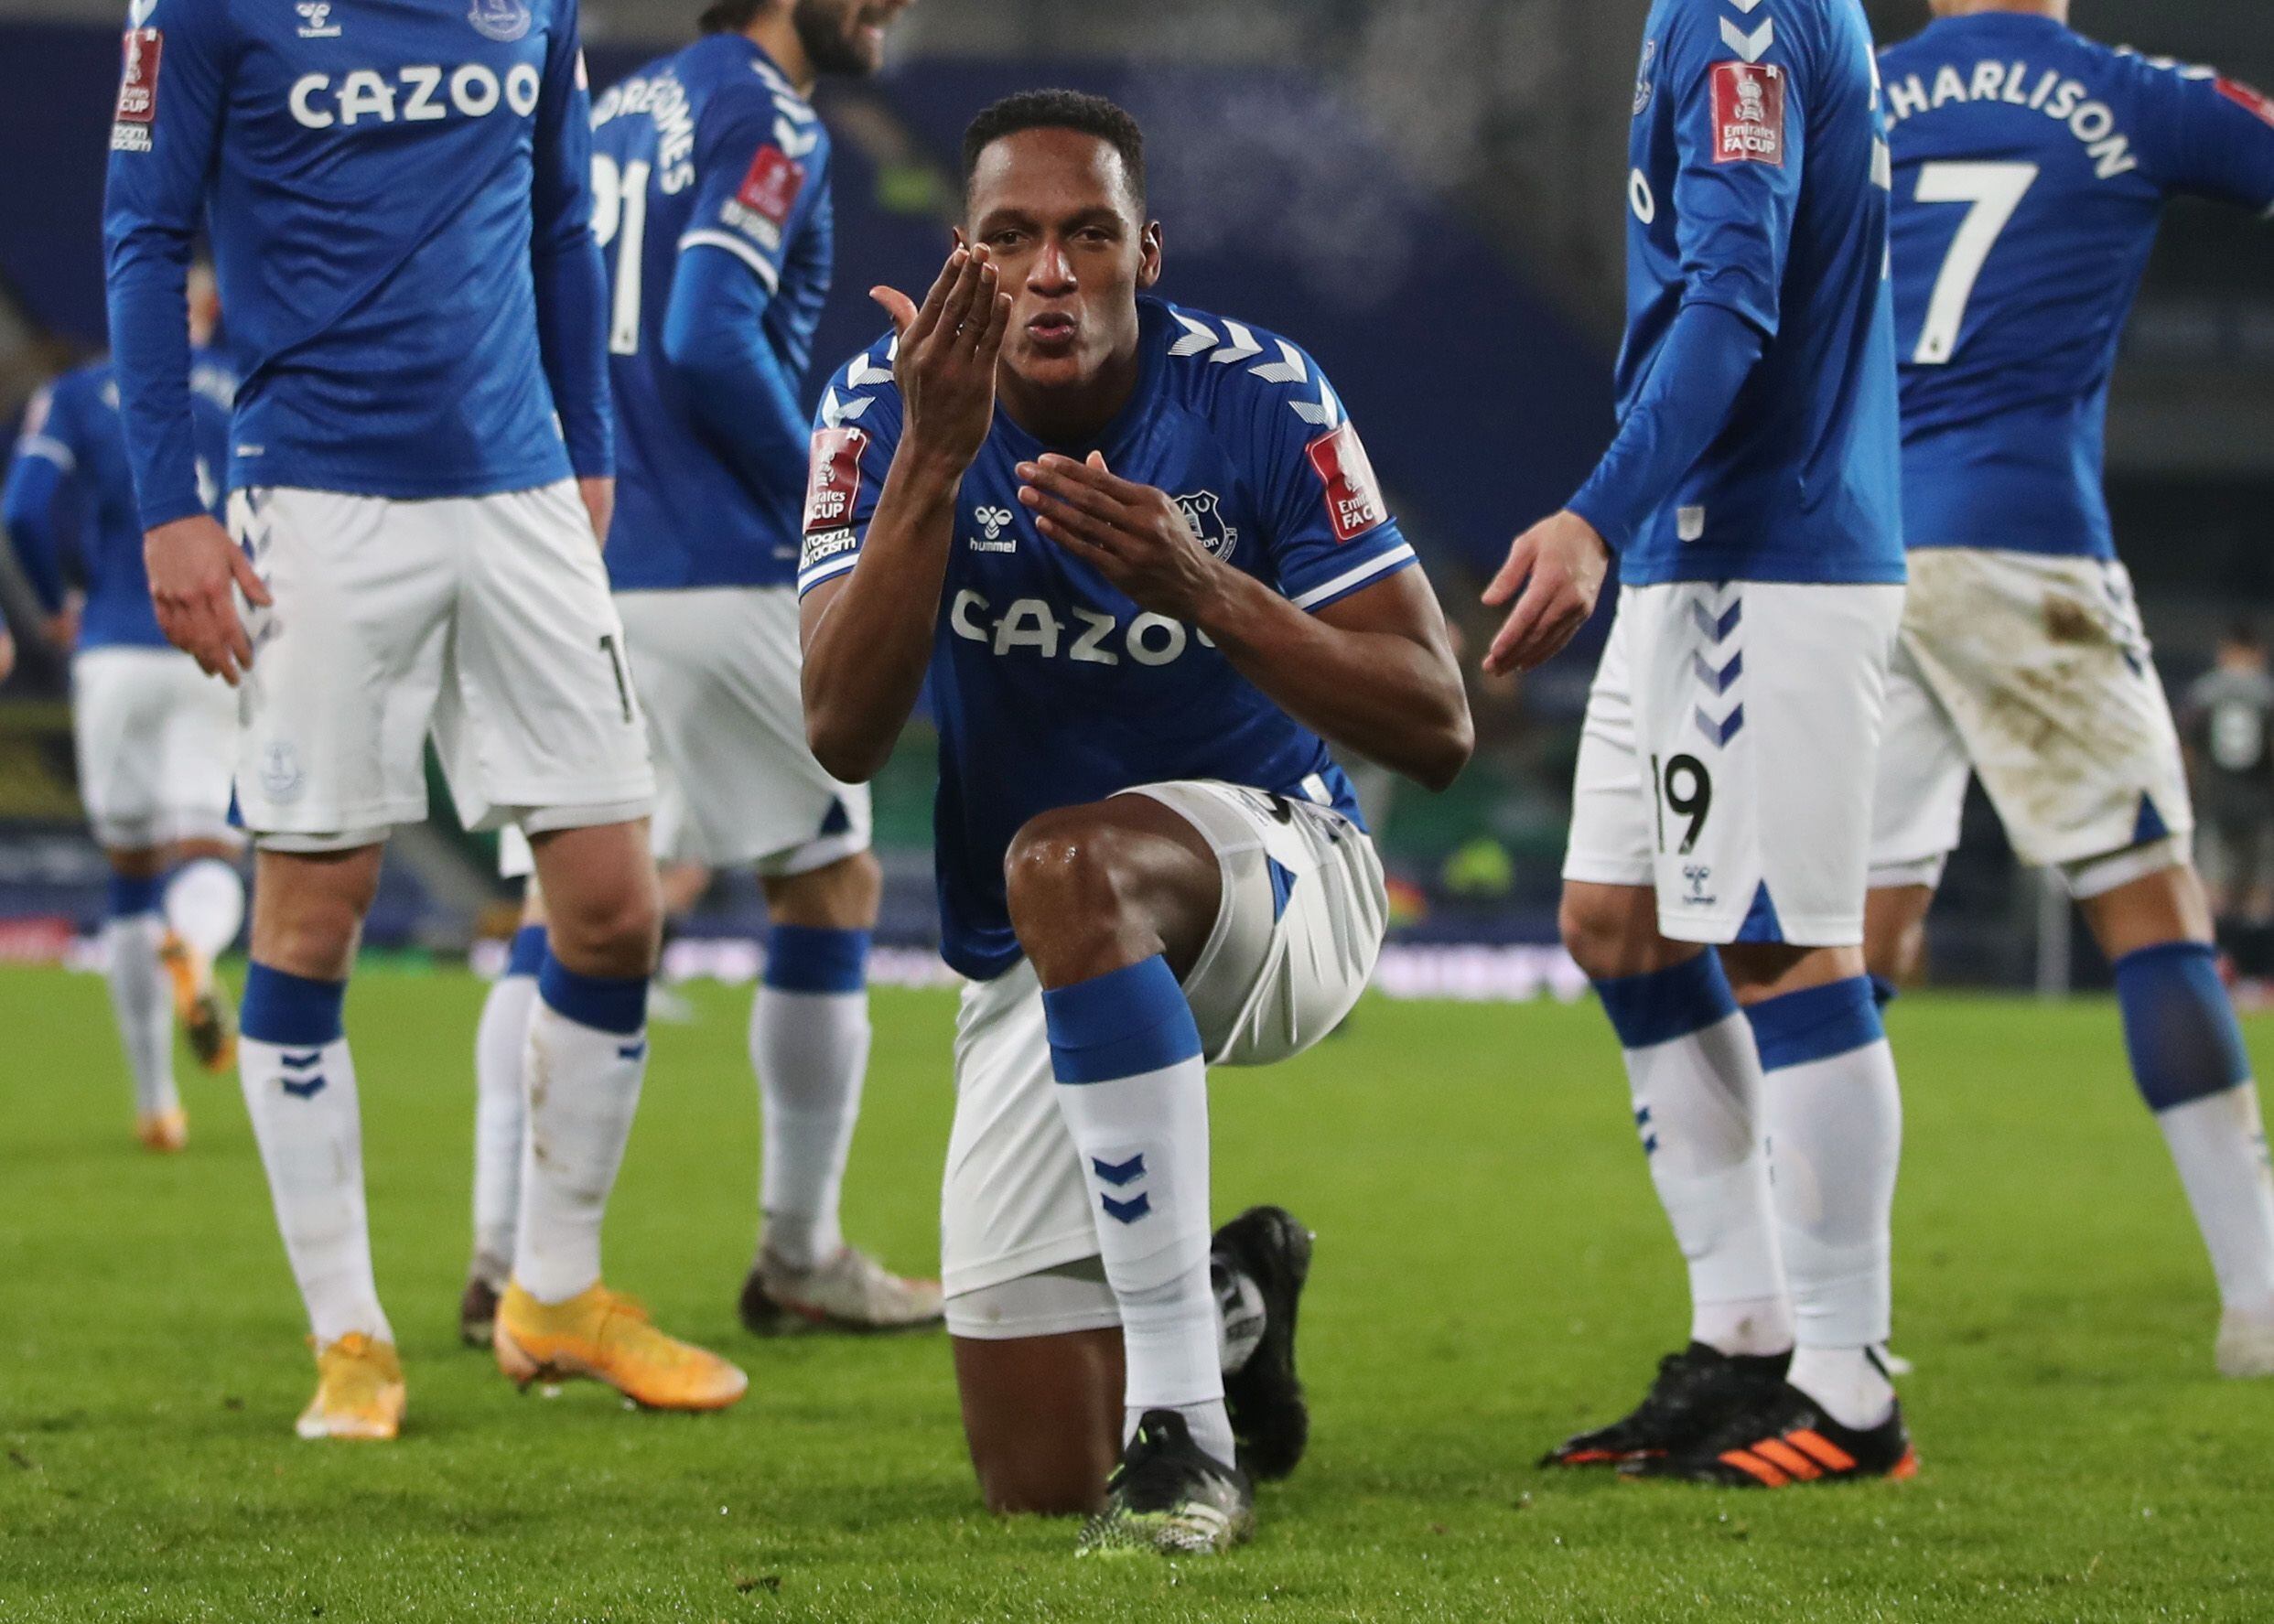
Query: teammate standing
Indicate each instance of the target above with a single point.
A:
(1723, 785)
(712, 186)
(155, 736)
(399, 201)
(2031, 169)
(1137, 587)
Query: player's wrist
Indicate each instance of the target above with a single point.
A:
(1608, 531)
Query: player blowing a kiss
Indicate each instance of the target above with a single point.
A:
(1140, 555)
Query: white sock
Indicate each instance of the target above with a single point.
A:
(143, 1000)
(501, 1113)
(1835, 1119)
(583, 1078)
(1696, 1081)
(310, 1124)
(205, 905)
(1133, 1091)
(2219, 1144)
(811, 1052)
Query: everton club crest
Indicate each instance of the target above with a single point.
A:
(501, 21)
(1203, 514)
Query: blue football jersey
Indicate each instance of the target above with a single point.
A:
(709, 152)
(88, 524)
(399, 197)
(1760, 186)
(2031, 168)
(1052, 688)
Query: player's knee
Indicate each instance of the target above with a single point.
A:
(1067, 872)
(1593, 934)
(615, 930)
(843, 896)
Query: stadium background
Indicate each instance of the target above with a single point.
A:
(1424, 191)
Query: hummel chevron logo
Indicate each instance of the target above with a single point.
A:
(300, 1062)
(1720, 733)
(306, 1088)
(1128, 1211)
(1753, 47)
(1199, 336)
(1119, 1172)
(1287, 369)
(1721, 680)
(861, 374)
(837, 412)
(1747, 6)
(1241, 348)
(1717, 629)
(633, 1051)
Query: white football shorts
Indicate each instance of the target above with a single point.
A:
(484, 619)
(1731, 743)
(718, 673)
(2034, 672)
(1283, 966)
(157, 739)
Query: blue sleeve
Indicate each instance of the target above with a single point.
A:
(1331, 532)
(855, 434)
(1740, 148)
(1709, 353)
(163, 147)
(728, 267)
(571, 279)
(2209, 136)
(44, 467)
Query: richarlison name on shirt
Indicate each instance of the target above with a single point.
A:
(2064, 100)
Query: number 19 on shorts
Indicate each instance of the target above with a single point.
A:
(1684, 788)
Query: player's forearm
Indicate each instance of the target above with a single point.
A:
(149, 315)
(1684, 404)
(572, 332)
(27, 510)
(1393, 697)
(866, 652)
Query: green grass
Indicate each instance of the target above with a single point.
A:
(1492, 1272)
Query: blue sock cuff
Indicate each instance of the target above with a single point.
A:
(1123, 1023)
(290, 1011)
(1660, 1005)
(2180, 1029)
(1883, 991)
(129, 898)
(1816, 1023)
(616, 1003)
(804, 959)
(526, 956)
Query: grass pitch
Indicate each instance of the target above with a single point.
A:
(1492, 1273)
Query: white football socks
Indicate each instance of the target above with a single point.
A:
(1835, 1121)
(501, 1107)
(205, 905)
(142, 1001)
(1696, 1081)
(809, 1045)
(2219, 1146)
(1133, 1091)
(587, 1054)
(299, 1087)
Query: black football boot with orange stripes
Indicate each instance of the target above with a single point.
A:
(1698, 1393)
(1788, 1441)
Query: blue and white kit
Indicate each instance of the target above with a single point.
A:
(2033, 167)
(711, 188)
(1751, 494)
(1052, 689)
(154, 736)
(399, 201)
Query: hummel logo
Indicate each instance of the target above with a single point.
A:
(307, 1088)
(992, 522)
(1126, 1212)
(316, 20)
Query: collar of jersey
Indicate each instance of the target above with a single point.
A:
(2025, 22)
(1152, 322)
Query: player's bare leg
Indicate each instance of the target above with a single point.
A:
(2188, 1057)
(587, 1056)
(300, 1089)
(1042, 1417)
(809, 1047)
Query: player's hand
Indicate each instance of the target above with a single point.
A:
(193, 569)
(599, 496)
(7, 655)
(945, 367)
(1136, 535)
(1559, 565)
(61, 629)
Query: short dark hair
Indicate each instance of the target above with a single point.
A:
(731, 17)
(2242, 634)
(1059, 110)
